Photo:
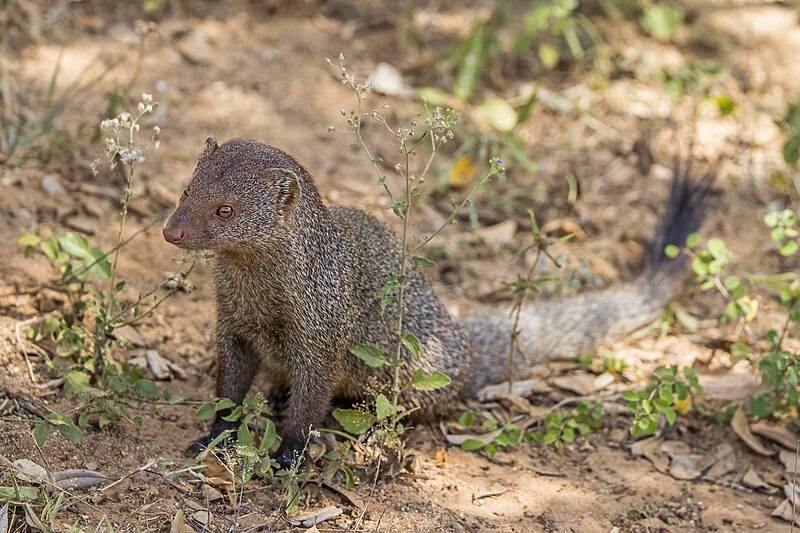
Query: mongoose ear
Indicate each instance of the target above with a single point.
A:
(209, 147)
(286, 187)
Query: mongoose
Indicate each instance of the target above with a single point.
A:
(297, 285)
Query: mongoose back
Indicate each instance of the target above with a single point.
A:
(297, 284)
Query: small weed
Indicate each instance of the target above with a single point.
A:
(84, 330)
(666, 394)
(386, 414)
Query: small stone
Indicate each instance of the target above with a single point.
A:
(52, 185)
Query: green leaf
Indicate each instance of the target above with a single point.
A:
(147, 389)
(630, 396)
(18, 493)
(383, 407)
(50, 248)
(412, 344)
(66, 427)
(671, 251)
(224, 403)
(74, 244)
(40, 432)
(725, 104)
(471, 445)
(770, 219)
(74, 382)
(171, 397)
(495, 114)
(243, 435)
(466, 419)
(692, 240)
(568, 435)
(470, 68)
(717, 248)
(102, 266)
(28, 239)
(206, 411)
(353, 421)
(424, 262)
(662, 21)
(549, 56)
(788, 248)
(371, 355)
(429, 382)
(699, 267)
(269, 436)
(671, 415)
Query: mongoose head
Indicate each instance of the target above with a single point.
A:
(241, 195)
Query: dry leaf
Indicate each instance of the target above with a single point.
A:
(210, 493)
(742, 430)
(315, 517)
(4, 519)
(583, 383)
(498, 234)
(202, 517)
(687, 466)
(179, 524)
(564, 226)
(725, 461)
(495, 490)
(462, 173)
(29, 471)
(388, 80)
(790, 460)
(485, 438)
(351, 496)
(752, 480)
(730, 386)
(784, 510)
(522, 388)
(776, 433)
(157, 364)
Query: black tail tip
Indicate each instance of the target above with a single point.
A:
(689, 200)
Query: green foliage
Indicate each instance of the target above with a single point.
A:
(785, 231)
(662, 20)
(780, 371)
(696, 77)
(84, 330)
(661, 396)
(790, 123)
(563, 426)
(386, 414)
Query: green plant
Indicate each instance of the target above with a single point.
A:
(790, 123)
(84, 331)
(387, 413)
(663, 395)
(563, 426)
(523, 284)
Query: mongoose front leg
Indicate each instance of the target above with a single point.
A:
(237, 364)
(309, 404)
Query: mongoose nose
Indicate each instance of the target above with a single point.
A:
(173, 235)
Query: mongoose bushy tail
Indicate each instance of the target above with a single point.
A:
(297, 284)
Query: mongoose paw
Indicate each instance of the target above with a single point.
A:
(288, 458)
(199, 445)
(202, 443)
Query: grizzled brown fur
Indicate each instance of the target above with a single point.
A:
(297, 284)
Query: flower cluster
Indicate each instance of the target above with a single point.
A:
(119, 142)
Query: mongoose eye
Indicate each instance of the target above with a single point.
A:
(186, 192)
(224, 211)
